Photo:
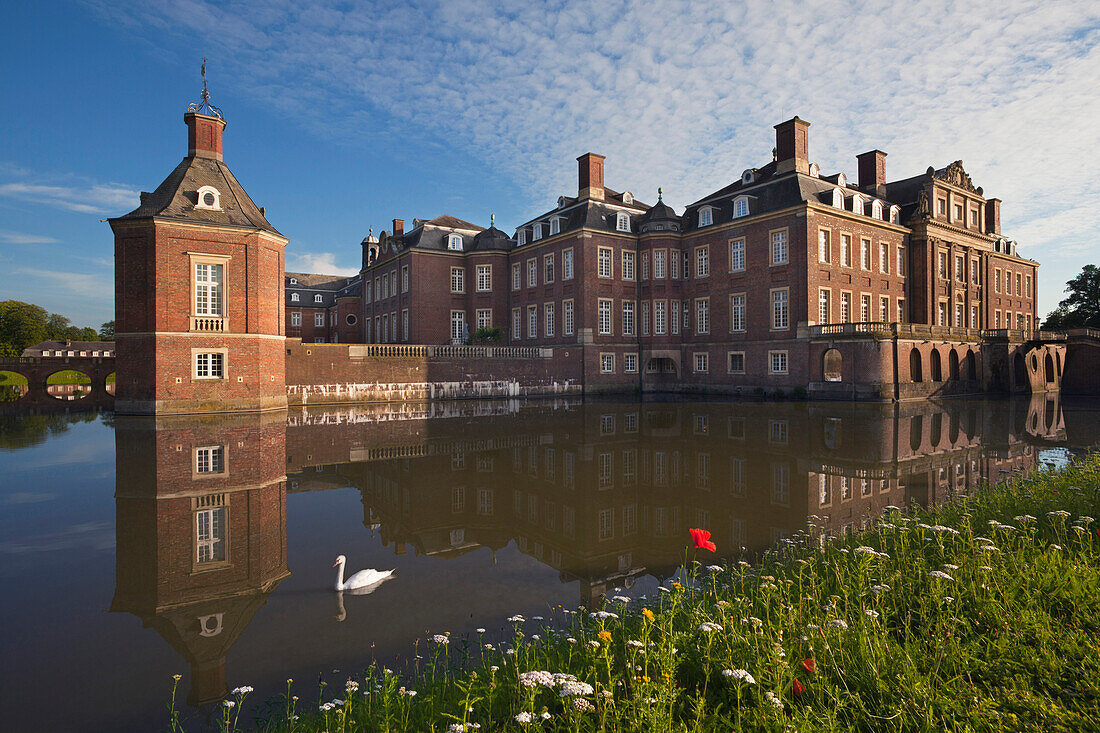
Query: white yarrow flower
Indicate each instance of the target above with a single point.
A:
(707, 627)
(940, 574)
(739, 674)
(523, 718)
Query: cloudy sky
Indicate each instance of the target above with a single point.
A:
(344, 115)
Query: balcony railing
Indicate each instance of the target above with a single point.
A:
(210, 324)
(877, 329)
(450, 352)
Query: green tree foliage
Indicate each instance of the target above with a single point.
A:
(107, 331)
(1081, 308)
(25, 324)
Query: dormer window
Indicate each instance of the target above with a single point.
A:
(841, 180)
(876, 209)
(838, 198)
(815, 171)
(521, 236)
(293, 281)
(318, 299)
(740, 207)
(706, 217)
(555, 226)
(747, 177)
(536, 232)
(294, 298)
(857, 205)
(895, 215)
(561, 201)
(209, 199)
(454, 242)
(622, 222)
(628, 197)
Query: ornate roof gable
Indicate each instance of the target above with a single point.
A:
(956, 176)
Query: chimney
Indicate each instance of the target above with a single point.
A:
(872, 172)
(590, 176)
(398, 227)
(993, 216)
(204, 135)
(792, 146)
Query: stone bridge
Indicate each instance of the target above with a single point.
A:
(37, 369)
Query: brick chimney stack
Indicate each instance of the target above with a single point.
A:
(204, 135)
(792, 146)
(398, 227)
(590, 176)
(872, 172)
(993, 216)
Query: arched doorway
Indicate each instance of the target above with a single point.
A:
(916, 432)
(953, 365)
(12, 386)
(1048, 365)
(915, 374)
(832, 366)
(971, 366)
(68, 384)
(936, 366)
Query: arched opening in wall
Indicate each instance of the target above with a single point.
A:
(68, 384)
(109, 384)
(12, 386)
(916, 432)
(915, 374)
(1048, 365)
(955, 426)
(937, 430)
(1058, 362)
(936, 367)
(661, 365)
(1049, 414)
(1019, 371)
(832, 363)
(953, 365)
(971, 366)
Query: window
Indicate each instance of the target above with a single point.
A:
(210, 535)
(521, 236)
(555, 226)
(884, 258)
(845, 307)
(975, 278)
(548, 318)
(865, 253)
(735, 361)
(701, 362)
(901, 310)
(996, 319)
(567, 264)
(532, 273)
(1027, 282)
(941, 207)
(660, 323)
(659, 259)
(645, 265)
(548, 268)
(630, 363)
(1019, 290)
(484, 318)
(210, 365)
(838, 199)
(779, 247)
(824, 246)
(628, 265)
(380, 288)
(973, 316)
(319, 340)
(484, 278)
(777, 362)
(740, 207)
(884, 309)
(604, 262)
(960, 269)
(674, 265)
(605, 317)
(532, 321)
(536, 232)
(404, 278)
(645, 317)
(210, 459)
(517, 277)
(702, 315)
(846, 250)
(941, 319)
(454, 242)
(296, 319)
(737, 255)
(517, 324)
(944, 275)
(319, 320)
(628, 318)
(702, 261)
(779, 309)
(294, 298)
(705, 217)
(857, 205)
(458, 325)
(607, 363)
(567, 317)
(622, 222)
(405, 323)
(901, 262)
(895, 215)
(958, 210)
(864, 308)
(958, 315)
(208, 198)
(876, 209)
(458, 280)
(674, 316)
(208, 289)
(737, 313)
(823, 306)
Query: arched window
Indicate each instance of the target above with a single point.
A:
(895, 215)
(555, 225)
(622, 222)
(953, 365)
(740, 207)
(293, 281)
(971, 366)
(936, 367)
(705, 217)
(876, 209)
(857, 205)
(831, 366)
(208, 198)
(294, 298)
(916, 429)
(454, 241)
(815, 171)
(838, 198)
(915, 373)
(318, 299)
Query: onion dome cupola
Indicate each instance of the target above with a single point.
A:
(661, 217)
(492, 238)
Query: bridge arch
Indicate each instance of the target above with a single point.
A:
(69, 384)
(13, 386)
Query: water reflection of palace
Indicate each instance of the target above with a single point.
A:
(603, 493)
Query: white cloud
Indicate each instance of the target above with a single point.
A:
(93, 198)
(321, 263)
(683, 93)
(73, 283)
(9, 237)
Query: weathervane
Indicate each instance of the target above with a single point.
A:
(492, 220)
(660, 194)
(203, 106)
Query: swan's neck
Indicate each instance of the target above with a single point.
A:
(340, 576)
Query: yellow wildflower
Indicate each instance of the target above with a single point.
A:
(648, 614)
(605, 635)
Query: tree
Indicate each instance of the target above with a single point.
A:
(1081, 308)
(22, 324)
(107, 331)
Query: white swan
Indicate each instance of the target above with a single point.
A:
(361, 579)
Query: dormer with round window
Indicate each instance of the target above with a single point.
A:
(293, 281)
(841, 180)
(815, 170)
(454, 242)
(628, 197)
(748, 177)
(209, 199)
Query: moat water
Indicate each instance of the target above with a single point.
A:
(133, 549)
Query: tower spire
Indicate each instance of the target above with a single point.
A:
(203, 106)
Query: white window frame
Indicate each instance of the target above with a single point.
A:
(209, 364)
(607, 363)
(567, 264)
(605, 318)
(737, 312)
(702, 261)
(737, 255)
(740, 207)
(484, 278)
(548, 319)
(781, 308)
(458, 280)
(622, 222)
(778, 362)
(630, 363)
(458, 325)
(627, 265)
(780, 246)
(700, 362)
(702, 316)
(567, 316)
(517, 276)
(296, 319)
(706, 217)
(605, 257)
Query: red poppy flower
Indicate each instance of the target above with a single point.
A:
(798, 687)
(809, 664)
(702, 540)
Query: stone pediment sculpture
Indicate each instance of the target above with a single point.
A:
(956, 176)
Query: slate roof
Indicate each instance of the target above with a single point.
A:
(66, 346)
(176, 196)
(492, 239)
(432, 234)
(329, 287)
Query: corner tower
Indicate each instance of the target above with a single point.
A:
(199, 313)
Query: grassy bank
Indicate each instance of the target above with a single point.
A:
(980, 615)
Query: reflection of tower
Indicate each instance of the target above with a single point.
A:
(201, 532)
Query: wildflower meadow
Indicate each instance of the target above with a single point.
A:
(982, 614)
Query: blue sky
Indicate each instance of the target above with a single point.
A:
(344, 115)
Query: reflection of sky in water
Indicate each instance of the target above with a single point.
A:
(389, 488)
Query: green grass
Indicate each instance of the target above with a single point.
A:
(11, 379)
(979, 615)
(68, 376)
